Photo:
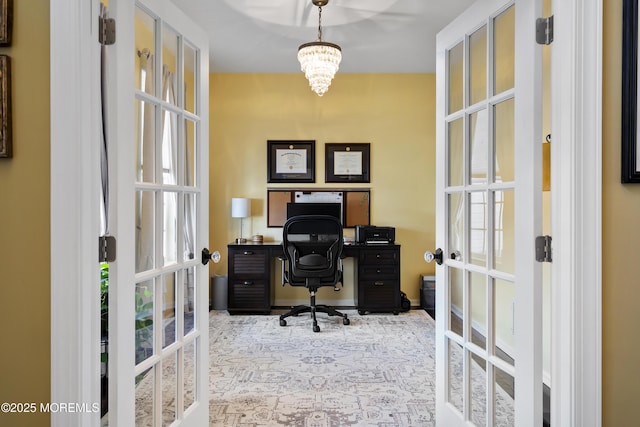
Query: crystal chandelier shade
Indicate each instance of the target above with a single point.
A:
(319, 60)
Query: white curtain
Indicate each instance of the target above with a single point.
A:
(145, 172)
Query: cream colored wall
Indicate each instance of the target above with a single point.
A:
(394, 113)
(24, 221)
(621, 239)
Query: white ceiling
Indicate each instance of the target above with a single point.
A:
(376, 36)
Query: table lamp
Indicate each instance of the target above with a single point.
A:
(240, 208)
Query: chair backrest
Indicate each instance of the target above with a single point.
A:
(312, 245)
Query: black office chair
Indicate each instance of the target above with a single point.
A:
(312, 246)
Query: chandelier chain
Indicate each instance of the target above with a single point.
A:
(320, 23)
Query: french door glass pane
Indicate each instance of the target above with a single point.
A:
(479, 134)
(189, 300)
(504, 140)
(169, 148)
(169, 58)
(504, 231)
(455, 145)
(190, 64)
(456, 375)
(190, 379)
(145, 141)
(504, 297)
(144, 320)
(504, 51)
(144, 49)
(456, 296)
(478, 65)
(478, 301)
(169, 235)
(189, 226)
(145, 230)
(504, 398)
(456, 78)
(190, 154)
(169, 310)
(145, 383)
(479, 233)
(478, 391)
(169, 389)
(456, 222)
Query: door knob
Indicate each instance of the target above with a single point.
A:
(430, 256)
(210, 256)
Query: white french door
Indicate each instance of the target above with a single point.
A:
(158, 314)
(488, 190)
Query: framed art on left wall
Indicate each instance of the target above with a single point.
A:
(6, 148)
(630, 160)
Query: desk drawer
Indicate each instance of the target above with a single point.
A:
(247, 294)
(379, 295)
(379, 256)
(248, 262)
(379, 271)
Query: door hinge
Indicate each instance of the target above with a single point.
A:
(106, 248)
(544, 30)
(107, 31)
(543, 249)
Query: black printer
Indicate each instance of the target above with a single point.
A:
(375, 235)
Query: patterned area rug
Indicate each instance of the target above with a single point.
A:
(377, 371)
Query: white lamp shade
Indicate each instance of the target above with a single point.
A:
(240, 208)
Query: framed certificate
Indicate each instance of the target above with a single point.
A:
(290, 161)
(347, 162)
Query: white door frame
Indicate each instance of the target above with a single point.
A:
(576, 209)
(75, 217)
(576, 212)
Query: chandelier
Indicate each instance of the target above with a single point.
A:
(319, 60)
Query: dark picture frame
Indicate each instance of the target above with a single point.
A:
(347, 162)
(291, 161)
(6, 145)
(630, 161)
(6, 22)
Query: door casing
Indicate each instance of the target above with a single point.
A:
(577, 114)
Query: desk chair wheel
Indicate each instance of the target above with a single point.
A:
(345, 321)
(316, 328)
(283, 322)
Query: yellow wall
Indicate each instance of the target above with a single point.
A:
(394, 113)
(621, 238)
(24, 221)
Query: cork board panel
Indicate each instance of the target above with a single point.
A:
(357, 208)
(277, 207)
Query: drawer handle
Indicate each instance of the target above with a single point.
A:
(378, 283)
(378, 256)
(247, 253)
(378, 271)
(247, 282)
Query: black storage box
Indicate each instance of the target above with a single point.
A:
(428, 294)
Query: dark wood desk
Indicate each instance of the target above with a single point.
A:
(377, 278)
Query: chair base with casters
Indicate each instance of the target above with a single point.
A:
(313, 308)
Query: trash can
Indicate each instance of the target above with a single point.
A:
(428, 294)
(218, 293)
